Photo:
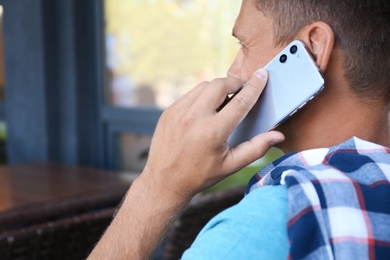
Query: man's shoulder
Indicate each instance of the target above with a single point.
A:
(238, 231)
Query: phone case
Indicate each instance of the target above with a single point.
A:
(291, 84)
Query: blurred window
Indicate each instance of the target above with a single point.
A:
(157, 50)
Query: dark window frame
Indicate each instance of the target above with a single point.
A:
(55, 76)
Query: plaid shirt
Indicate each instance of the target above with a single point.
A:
(338, 200)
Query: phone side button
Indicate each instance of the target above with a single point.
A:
(301, 106)
(293, 112)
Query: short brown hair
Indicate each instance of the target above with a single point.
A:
(362, 32)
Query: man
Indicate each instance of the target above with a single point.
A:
(321, 203)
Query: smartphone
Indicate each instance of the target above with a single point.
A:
(293, 80)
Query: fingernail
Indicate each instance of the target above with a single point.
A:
(274, 142)
(261, 74)
(277, 140)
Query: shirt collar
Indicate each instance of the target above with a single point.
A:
(308, 158)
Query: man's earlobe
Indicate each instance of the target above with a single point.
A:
(319, 39)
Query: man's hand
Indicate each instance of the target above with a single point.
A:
(188, 153)
(189, 150)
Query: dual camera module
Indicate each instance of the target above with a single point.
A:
(293, 50)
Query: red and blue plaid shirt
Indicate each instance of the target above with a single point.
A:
(338, 200)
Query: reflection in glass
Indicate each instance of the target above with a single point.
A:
(133, 152)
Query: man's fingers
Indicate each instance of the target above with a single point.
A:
(190, 97)
(247, 152)
(216, 92)
(209, 95)
(241, 104)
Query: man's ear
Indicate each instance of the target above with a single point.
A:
(319, 39)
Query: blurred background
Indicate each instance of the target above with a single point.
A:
(82, 85)
(158, 50)
(86, 81)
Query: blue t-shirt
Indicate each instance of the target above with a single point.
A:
(255, 228)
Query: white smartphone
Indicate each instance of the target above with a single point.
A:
(293, 80)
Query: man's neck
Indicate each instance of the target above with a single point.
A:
(332, 120)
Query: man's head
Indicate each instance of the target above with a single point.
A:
(361, 29)
(350, 41)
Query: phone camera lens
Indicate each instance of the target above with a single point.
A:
(283, 58)
(293, 49)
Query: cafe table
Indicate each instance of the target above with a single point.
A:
(55, 211)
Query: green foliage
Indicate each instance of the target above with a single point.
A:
(243, 176)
